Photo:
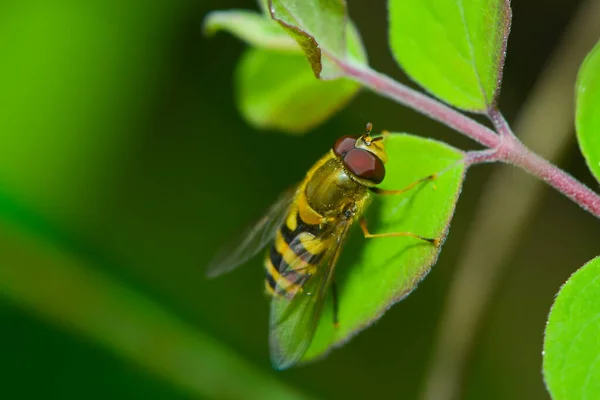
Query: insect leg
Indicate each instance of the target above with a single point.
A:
(406, 189)
(369, 235)
(334, 294)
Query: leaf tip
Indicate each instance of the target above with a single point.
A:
(209, 27)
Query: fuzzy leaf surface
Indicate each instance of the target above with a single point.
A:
(453, 48)
(587, 116)
(572, 342)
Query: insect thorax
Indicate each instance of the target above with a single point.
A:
(330, 189)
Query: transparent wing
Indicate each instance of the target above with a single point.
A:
(295, 312)
(255, 238)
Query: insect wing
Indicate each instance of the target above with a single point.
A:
(255, 238)
(295, 312)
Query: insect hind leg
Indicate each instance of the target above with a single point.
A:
(385, 192)
(369, 235)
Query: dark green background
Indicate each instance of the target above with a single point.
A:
(120, 141)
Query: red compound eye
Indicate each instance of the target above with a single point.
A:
(365, 165)
(344, 145)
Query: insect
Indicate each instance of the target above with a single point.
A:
(307, 227)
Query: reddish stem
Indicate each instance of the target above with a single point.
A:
(506, 147)
(499, 122)
(514, 152)
(420, 102)
(481, 156)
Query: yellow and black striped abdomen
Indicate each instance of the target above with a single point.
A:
(295, 255)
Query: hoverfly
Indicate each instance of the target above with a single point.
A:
(307, 227)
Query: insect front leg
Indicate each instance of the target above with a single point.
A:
(406, 189)
(369, 235)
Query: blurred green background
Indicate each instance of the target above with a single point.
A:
(121, 148)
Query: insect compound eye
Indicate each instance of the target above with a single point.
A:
(365, 165)
(344, 145)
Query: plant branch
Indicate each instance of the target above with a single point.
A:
(499, 122)
(509, 148)
(517, 154)
(387, 87)
(481, 156)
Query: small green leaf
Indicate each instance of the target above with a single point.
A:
(253, 28)
(587, 117)
(373, 274)
(279, 91)
(454, 49)
(572, 342)
(275, 87)
(322, 30)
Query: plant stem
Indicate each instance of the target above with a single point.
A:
(499, 122)
(387, 87)
(517, 154)
(481, 156)
(508, 148)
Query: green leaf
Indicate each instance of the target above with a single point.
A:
(275, 86)
(322, 30)
(572, 342)
(587, 116)
(251, 27)
(373, 274)
(279, 91)
(454, 49)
